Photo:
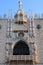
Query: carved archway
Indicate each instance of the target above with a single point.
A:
(21, 48)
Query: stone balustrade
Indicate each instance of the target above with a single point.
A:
(20, 57)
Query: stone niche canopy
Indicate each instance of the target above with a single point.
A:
(20, 16)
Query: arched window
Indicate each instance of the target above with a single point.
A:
(21, 48)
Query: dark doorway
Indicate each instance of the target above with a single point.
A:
(21, 48)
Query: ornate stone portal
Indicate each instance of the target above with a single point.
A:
(22, 53)
(22, 50)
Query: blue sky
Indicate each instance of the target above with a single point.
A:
(34, 5)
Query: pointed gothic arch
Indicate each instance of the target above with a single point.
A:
(21, 48)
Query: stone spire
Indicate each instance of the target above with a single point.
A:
(20, 4)
(20, 16)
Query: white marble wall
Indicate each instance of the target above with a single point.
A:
(39, 40)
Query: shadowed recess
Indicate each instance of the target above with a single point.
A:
(21, 48)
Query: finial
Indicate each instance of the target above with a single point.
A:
(10, 13)
(20, 4)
